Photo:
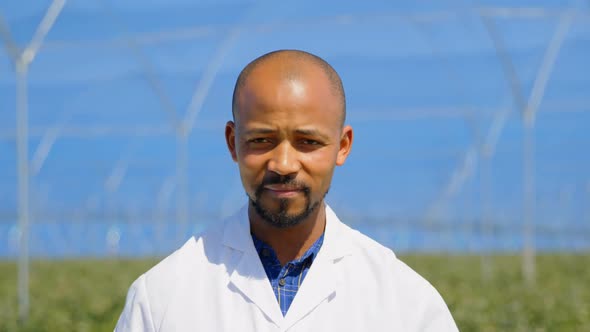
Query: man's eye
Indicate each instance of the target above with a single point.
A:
(311, 142)
(258, 140)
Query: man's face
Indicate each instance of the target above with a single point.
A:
(287, 138)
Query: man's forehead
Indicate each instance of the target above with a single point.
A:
(287, 117)
(269, 89)
(288, 74)
(285, 70)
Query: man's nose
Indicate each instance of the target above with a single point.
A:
(284, 159)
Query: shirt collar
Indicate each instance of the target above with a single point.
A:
(336, 239)
(263, 249)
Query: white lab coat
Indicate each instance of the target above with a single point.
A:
(216, 282)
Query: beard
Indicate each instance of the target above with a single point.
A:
(280, 217)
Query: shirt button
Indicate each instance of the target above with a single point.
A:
(282, 282)
(265, 252)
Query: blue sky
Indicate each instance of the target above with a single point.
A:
(423, 82)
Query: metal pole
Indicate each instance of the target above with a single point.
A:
(529, 114)
(528, 258)
(182, 185)
(486, 234)
(21, 62)
(22, 152)
(188, 123)
(162, 201)
(529, 110)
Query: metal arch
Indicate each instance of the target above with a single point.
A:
(150, 73)
(118, 172)
(45, 146)
(198, 98)
(529, 110)
(44, 27)
(202, 89)
(53, 133)
(479, 153)
(113, 181)
(529, 113)
(182, 128)
(21, 62)
(12, 48)
(498, 122)
(198, 31)
(477, 150)
(544, 73)
(468, 116)
(193, 109)
(440, 16)
(466, 168)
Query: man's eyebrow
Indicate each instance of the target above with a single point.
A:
(311, 132)
(255, 131)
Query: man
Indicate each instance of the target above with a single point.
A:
(285, 262)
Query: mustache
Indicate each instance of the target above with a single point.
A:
(283, 180)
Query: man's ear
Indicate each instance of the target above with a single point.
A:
(230, 139)
(345, 145)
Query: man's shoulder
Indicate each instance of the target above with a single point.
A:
(168, 268)
(422, 306)
(193, 252)
(386, 261)
(150, 295)
(367, 246)
(163, 280)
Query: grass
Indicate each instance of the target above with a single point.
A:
(559, 300)
(88, 295)
(81, 295)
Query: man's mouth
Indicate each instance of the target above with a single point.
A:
(283, 191)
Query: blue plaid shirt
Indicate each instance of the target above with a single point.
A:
(286, 280)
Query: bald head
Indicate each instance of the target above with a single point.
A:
(292, 65)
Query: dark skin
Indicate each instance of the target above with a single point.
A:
(288, 124)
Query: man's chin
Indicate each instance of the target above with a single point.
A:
(286, 205)
(279, 215)
(288, 213)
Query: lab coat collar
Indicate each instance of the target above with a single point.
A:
(236, 235)
(250, 279)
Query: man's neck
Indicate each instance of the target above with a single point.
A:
(292, 242)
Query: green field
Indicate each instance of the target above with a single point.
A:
(88, 295)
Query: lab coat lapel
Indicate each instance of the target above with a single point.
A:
(248, 276)
(319, 284)
(315, 289)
